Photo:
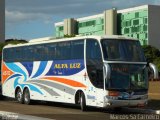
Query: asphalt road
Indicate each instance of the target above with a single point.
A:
(56, 111)
(59, 111)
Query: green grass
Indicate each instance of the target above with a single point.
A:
(154, 90)
(154, 95)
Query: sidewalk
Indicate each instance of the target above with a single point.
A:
(15, 116)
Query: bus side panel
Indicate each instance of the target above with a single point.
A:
(49, 81)
(94, 96)
(58, 88)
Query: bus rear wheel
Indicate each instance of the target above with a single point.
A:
(19, 96)
(83, 102)
(27, 97)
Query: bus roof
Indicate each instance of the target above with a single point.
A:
(51, 39)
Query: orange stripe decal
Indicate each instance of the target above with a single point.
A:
(65, 81)
(6, 72)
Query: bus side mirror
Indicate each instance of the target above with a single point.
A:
(107, 71)
(154, 70)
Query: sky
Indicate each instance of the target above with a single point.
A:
(29, 19)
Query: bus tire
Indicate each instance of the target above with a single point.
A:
(19, 96)
(27, 99)
(83, 102)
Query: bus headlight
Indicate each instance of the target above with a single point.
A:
(113, 93)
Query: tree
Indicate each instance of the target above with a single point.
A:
(11, 41)
(15, 41)
(152, 55)
(157, 63)
(69, 36)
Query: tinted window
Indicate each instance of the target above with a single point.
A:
(63, 50)
(94, 63)
(122, 50)
(127, 76)
(38, 53)
(50, 51)
(18, 54)
(28, 53)
(77, 51)
(7, 53)
(93, 50)
(44, 52)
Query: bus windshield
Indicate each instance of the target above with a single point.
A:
(122, 50)
(127, 76)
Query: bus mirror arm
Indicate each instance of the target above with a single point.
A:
(154, 69)
(107, 71)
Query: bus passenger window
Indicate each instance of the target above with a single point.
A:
(77, 50)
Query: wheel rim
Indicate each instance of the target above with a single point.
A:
(19, 96)
(26, 97)
(81, 102)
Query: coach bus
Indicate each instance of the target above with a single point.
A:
(99, 71)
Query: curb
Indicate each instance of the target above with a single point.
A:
(16, 116)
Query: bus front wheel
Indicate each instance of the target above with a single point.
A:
(83, 102)
(19, 96)
(27, 97)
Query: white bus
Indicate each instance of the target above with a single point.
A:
(100, 71)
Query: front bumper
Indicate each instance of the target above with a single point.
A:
(125, 103)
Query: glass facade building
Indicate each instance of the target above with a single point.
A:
(138, 22)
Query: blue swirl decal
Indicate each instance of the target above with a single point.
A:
(20, 75)
(28, 66)
(17, 69)
(42, 67)
(16, 82)
(14, 75)
(32, 87)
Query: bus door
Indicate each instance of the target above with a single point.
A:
(94, 66)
